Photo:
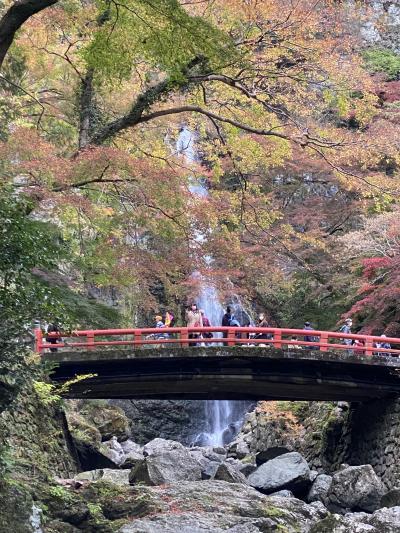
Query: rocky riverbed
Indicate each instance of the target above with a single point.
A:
(283, 473)
(166, 487)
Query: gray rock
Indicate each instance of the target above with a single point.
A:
(283, 494)
(113, 450)
(381, 521)
(220, 450)
(355, 488)
(208, 461)
(391, 498)
(205, 455)
(124, 454)
(118, 477)
(313, 475)
(165, 462)
(320, 508)
(288, 471)
(221, 507)
(270, 453)
(386, 520)
(227, 472)
(159, 446)
(320, 489)
(239, 449)
(247, 468)
(89, 475)
(209, 471)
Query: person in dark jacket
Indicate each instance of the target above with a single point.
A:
(263, 323)
(226, 321)
(53, 335)
(309, 338)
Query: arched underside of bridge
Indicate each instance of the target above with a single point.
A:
(252, 373)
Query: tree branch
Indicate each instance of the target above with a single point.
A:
(132, 118)
(211, 115)
(14, 18)
(149, 97)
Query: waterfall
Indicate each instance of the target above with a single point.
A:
(223, 417)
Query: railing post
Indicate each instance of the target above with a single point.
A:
(38, 340)
(184, 337)
(369, 344)
(323, 340)
(231, 337)
(90, 340)
(277, 341)
(137, 337)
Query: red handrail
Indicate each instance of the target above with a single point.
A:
(233, 336)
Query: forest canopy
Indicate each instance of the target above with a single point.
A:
(294, 140)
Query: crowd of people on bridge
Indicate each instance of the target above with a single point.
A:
(196, 318)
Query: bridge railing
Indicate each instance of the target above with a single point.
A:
(230, 336)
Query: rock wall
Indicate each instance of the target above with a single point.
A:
(375, 437)
(382, 29)
(329, 434)
(37, 438)
(179, 420)
(318, 430)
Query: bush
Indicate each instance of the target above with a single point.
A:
(383, 60)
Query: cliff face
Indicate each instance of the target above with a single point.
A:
(329, 434)
(35, 446)
(383, 26)
(180, 420)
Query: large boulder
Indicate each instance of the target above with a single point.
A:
(320, 488)
(113, 450)
(221, 507)
(381, 521)
(228, 472)
(386, 520)
(117, 477)
(391, 498)
(355, 488)
(208, 460)
(270, 453)
(165, 462)
(288, 471)
(132, 453)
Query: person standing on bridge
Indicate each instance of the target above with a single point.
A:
(226, 321)
(346, 328)
(263, 323)
(53, 335)
(160, 324)
(309, 338)
(194, 319)
(384, 345)
(206, 324)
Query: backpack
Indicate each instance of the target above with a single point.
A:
(169, 319)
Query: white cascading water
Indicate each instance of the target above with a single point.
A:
(223, 416)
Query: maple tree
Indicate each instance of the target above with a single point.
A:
(283, 112)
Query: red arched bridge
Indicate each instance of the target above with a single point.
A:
(235, 363)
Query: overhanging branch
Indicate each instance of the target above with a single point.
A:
(14, 18)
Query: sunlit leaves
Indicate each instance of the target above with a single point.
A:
(160, 32)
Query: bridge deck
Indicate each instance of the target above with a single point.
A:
(219, 372)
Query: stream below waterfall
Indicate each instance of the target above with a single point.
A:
(223, 418)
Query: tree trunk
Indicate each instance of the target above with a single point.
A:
(15, 17)
(86, 101)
